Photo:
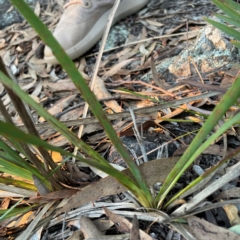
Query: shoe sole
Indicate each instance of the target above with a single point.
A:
(126, 8)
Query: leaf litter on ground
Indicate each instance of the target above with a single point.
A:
(122, 64)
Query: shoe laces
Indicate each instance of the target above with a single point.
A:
(73, 2)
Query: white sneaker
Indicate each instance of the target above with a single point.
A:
(83, 22)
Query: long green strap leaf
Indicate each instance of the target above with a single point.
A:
(80, 83)
(186, 160)
(224, 6)
(7, 167)
(17, 183)
(232, 21)
(13, 211)
(14, 158)
(205, 145)
(236, 43)
(231, 4)
(98, 161)
(20, 136)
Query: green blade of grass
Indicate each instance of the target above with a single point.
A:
(7, 167)
(99, 162)
(139, 95)
(230, 31)
(185, 161)
(5, 214)
(14, 158)
(235, 43)
(80, 83)
(232, 4)
(224, 6)
(18, 135)
(229, 20)
(17, 183)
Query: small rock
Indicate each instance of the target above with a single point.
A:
(211, 50)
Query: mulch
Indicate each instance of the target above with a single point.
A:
(135, 73)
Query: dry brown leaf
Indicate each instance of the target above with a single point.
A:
(6, 57)
(35, 45)
(101, 92)
(25, 219)
(37, 9)
(135, 233)
(10, 8)
(143, 50)
(62, 85)
(5, 203)
(114, 70)
(125, 72)
(19, 49)
(130, 54)
(76, 173)
(88, 228)
(32, 74)
(59, 141)
(39, 69)
(64, 193)
(56, 156)
(103, 224)
(232, 213)
(149, 26)
(77, 235)
(229, 78)
(189, 35)
(37, 91)
(123, 225)
(42, 189)
(151, 49)
(174, 113)
(2, 43)
(72, 115)
(153, 171)
(230, 193)
(144, 53)
(53, 76)
(123, 53)
(1, 88)
(59, 106)
(29, 36)
(154, 22)
(202, 230)
(159, 82)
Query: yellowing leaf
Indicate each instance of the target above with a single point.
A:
(57, 157)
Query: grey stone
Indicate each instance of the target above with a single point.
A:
(8, 18)
(211, 50)
(117, 36)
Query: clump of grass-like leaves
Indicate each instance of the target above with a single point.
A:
(48, 174)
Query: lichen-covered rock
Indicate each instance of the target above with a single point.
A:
(211, 50)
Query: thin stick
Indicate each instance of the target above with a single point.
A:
(148, 85)
(199, 74)
(96, 67)
(138, 136)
